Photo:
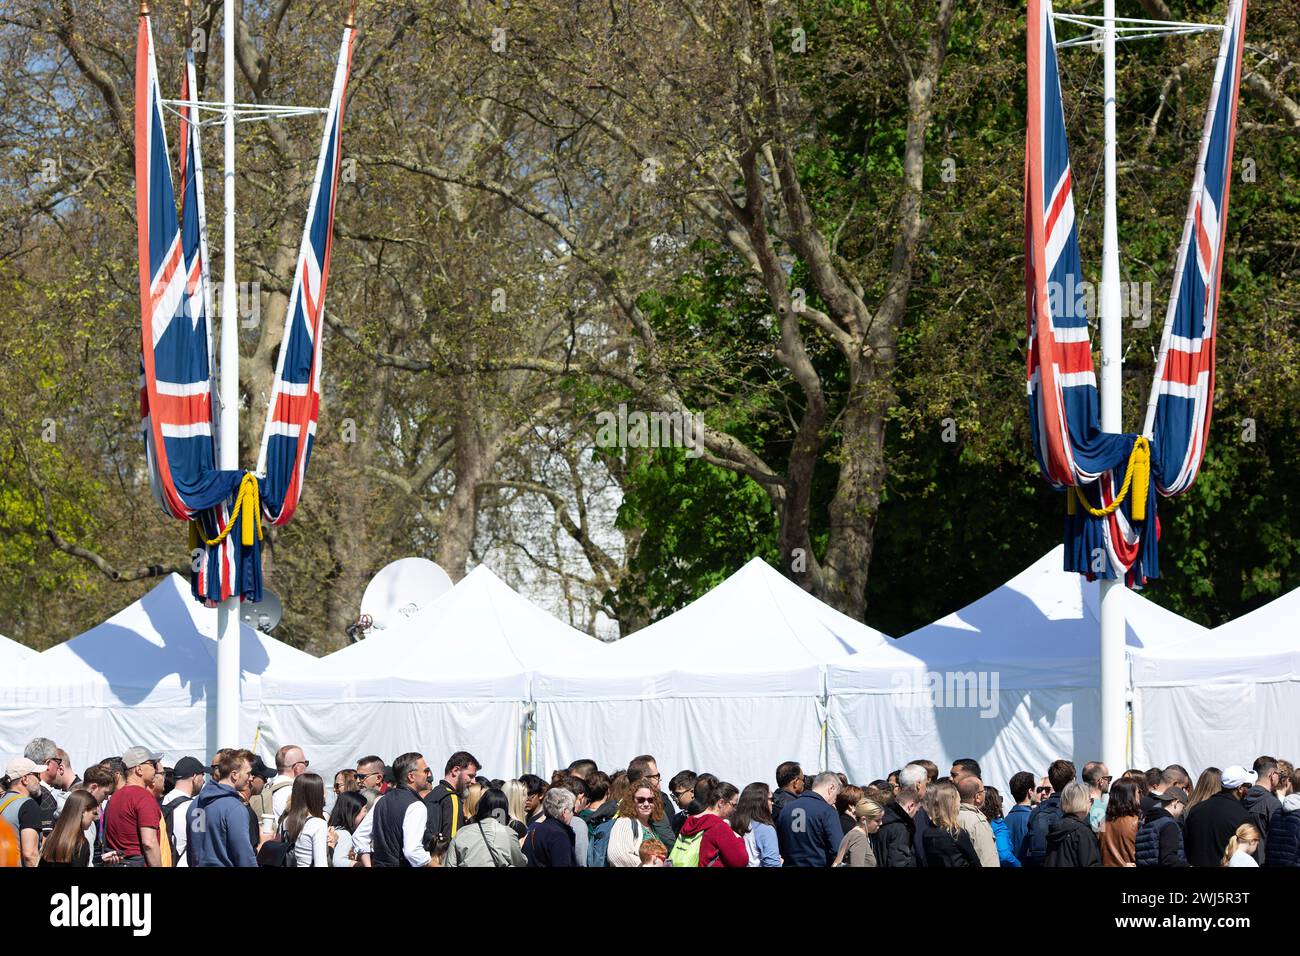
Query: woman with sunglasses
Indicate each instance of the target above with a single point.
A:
(639, 809)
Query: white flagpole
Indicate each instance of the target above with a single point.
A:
(1113, 684)
(227, 729)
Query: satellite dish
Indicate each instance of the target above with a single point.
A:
(401, 589)
(262, 615)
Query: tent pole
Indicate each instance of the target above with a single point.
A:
(227, 730)
(1113, 704)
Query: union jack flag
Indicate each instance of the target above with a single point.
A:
(1069, 444)
(1182, 398)
(1073, 452)
(295, 393)
(178, 415)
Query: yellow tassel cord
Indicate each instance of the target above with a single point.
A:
(1136, 477)
(248, 512)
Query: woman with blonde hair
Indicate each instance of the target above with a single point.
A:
(516, 792)
(1070, 841)
(855, 848)
(473, 794)
(1242, 846)
(946, 843)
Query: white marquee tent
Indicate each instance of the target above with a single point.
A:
(146, 676)
(11, 652)
(1011, 680)
(1225, 698)
(734, 683)
(455, 676)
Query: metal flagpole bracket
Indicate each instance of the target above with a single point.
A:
(1128, 28)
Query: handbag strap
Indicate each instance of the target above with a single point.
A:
(496, 861)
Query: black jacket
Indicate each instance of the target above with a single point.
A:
(896, 832)
(1210, 824)
(942, 849)
(1071, 842)
(445, 811)
(550, 843)
(1284, 838)
(1261, 804)
(921, 826)
(780, 798)
(1034, 850)
(1159, 843)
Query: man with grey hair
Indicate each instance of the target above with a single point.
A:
(43, 752)
(916, 777)
(809, 831)
(550, 840)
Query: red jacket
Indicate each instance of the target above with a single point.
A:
(719, 846)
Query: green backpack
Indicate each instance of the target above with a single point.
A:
(686, 850)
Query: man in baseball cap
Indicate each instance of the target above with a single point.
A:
(189, 773)
(1213, 821)
(1159, 839)
(20, 806)
(132, 820)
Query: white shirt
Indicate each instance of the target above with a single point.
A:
(413, 827)
(361, 835)
(177, 826)
(1242, 858)
(280, 798)
(310, 848)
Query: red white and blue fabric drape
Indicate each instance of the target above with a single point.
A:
(1183, 392)
(295, 393)
(1073, 453)
(178, 413)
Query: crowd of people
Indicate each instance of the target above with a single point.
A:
(235, 811)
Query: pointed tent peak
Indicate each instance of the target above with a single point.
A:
(11, 652)
(755, 616)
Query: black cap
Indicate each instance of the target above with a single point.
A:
(260, 769)
(187, 767)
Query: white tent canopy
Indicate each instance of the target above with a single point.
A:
(733, 683)
(11, 652)
(455, 676)
(1225, 698)
(146, 676)
(1011, 680)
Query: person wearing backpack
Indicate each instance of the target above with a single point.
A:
(638, 812)
(273, 800)
(189, 781)
(217, 820)
(304, 829)
(1034, 849)
(488, 840)
(20, 809)
(708, 836)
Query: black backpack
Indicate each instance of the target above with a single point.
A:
(169, 810)
(277, 852)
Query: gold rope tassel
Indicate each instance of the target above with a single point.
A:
(247, 511)
(1137, 476)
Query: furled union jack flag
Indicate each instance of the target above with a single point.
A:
(178, 411)
(295, 393)
(1112, 479)
(1182, 398)
(178, 415)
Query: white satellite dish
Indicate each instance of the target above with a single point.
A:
(262, 615)
(402, 588)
